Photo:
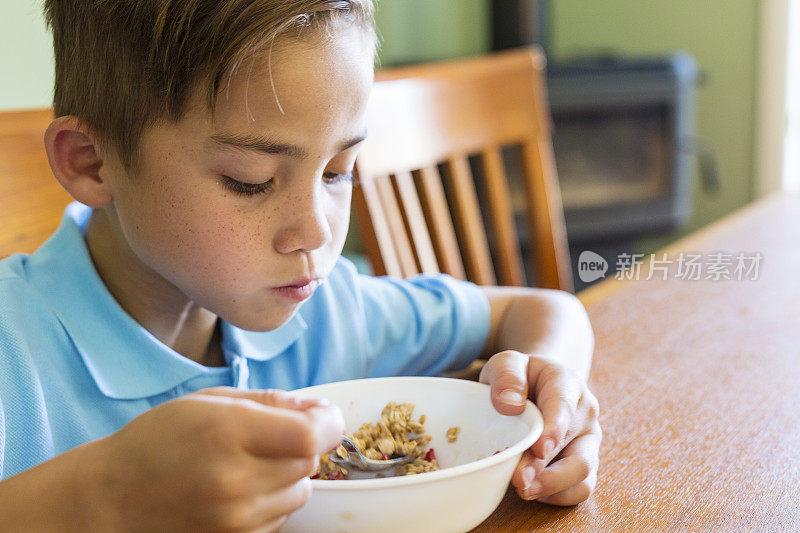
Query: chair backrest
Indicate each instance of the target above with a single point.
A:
(31, 200)
(435, 116)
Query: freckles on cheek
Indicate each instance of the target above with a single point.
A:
(186, 230)
(228, 242)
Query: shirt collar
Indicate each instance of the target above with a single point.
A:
(124, 359)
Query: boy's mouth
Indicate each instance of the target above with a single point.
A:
(300, 282)
(299, 289)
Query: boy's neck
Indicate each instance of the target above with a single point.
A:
(152, 301)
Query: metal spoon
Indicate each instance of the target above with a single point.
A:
(356, 458)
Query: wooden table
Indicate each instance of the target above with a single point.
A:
(699, 388)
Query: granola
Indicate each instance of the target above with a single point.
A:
(452, 434)
(395, 435)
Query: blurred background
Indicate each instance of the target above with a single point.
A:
(667, 114)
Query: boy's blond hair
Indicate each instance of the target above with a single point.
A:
(121, 65)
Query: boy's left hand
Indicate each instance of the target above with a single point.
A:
(561, 467)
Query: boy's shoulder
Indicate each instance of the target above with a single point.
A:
(24, 313)
(17, 296)
(38, 290)
(347, 276)
(375, 297)
(416, 326)
(12, 269)
(33, 343)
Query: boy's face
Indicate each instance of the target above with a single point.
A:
(228, 226)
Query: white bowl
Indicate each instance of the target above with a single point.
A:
(471, 483)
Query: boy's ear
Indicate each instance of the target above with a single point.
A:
(75, 158)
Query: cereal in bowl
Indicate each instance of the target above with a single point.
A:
(395, 435)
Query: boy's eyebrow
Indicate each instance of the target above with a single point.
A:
(258, 143)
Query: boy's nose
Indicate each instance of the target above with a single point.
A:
(305, 229)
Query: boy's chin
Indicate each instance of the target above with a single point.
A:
(260, 322)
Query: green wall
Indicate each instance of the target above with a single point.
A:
(26, 56)
(427, 30)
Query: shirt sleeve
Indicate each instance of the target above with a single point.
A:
(25, 430)
(421, 326)
(2, 437)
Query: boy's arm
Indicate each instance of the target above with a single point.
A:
(48, 497)
(202, 461)
(540, 321)
(540, 347)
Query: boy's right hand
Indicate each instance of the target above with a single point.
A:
(219, 459)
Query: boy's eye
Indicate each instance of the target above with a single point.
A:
(246, 189)
(332, 177)
(251, 189)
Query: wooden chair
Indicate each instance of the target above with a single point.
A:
(424, 116)
(31, 200)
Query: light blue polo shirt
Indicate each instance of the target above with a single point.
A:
(74, 366)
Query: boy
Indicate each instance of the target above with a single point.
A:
(210, 145)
